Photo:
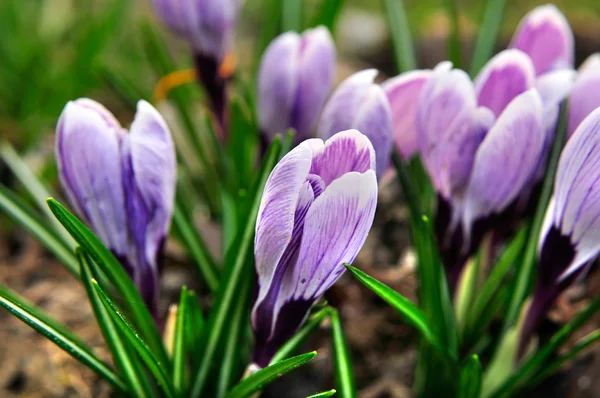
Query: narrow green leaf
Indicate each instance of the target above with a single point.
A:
(124, 88)
(327, 14)
(266, 376)
(194, 331)
(292, 15)
(470, 378)
(526, 270)
(488, 34)
(324, 394)
(34, 187)
(125, 360)
(454, 45)
(341, 358)
(409, 312)
(57, 335)
(157, 368)
(117, 275)
(231, 283)
(293, 344)
(26, 217)
(179, 346)
(399, 26)
(202, 259)
(270, 25)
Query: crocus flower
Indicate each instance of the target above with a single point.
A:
(570, 235)
(358, 103)
(295, 77)
(585, 94)
(480, 143)
(316, 211)
(403, 93)
(122, 184)
(209, 27)
(545, 35)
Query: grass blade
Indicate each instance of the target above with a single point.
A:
(488, 34)
(470, 379)
(57, 335)
(454, 45)
(291, 17)
(124, 359)
(264, 377)
(124, 88)
(324, 394)
(341, 357)
(404, 51)
(26, 217)
(179, 346)
(194, 331)
(117, 275)
(409, 312)
(157, 368)
(293, 344)
(327, 14)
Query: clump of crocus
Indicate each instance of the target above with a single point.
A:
(209, 27)
(358, 103)
(122, 184)
(295, 77)
(570, 236)
(316, 211)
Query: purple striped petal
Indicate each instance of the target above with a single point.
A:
(277, 84)
(316, 73)
(506, 159)
(505, 76)
(360, 104)
(89, 165)
(450, 129)
(345, 152)
(403, 93)
(585, 95)
(576, 208)
(545, 35)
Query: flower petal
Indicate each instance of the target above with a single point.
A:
(403, 93)
(545, 35)
(345, 152)
(585, 95)
(505, 76)
(506, 159)
(89, 165)
(277, 84)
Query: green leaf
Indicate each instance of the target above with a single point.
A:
(56, 333)
(233, 278)
(124, 88)
(488, 34)
(525, 272)
(124, 359)
(454, 45)
(194, 331)
(327, 14)
(26, 217)
(404, 51)
(470, 379)
(409, 312)
(158, 369)
(291, 18)
(242, 140)
(270, 25)
(266, 376)
(202, 259)
(341, 358)
(324, 394)
(117, 275)
(179, 346)
(293, 344)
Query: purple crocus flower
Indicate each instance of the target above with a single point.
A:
(570, 235)
(316, 211)
(209, 27)
(403, 93)
(545, 35)
(480, 143)
(295, 77)
(122, 184)
(358, 103)
(585, 94)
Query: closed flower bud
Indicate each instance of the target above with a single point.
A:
(545, 35)
(358, 103)
(295, 77)
(122, 184)
(316, 211)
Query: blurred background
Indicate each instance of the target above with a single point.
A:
(52, 51)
